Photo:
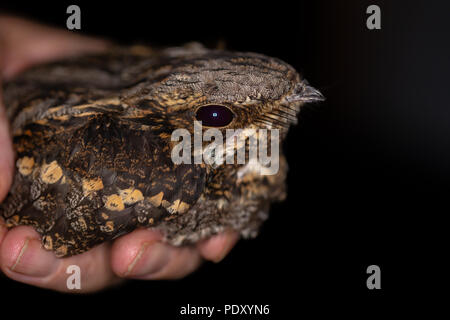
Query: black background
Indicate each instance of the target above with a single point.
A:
(369, 167)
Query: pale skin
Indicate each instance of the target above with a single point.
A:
(137, 255)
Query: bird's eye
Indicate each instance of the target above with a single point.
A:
(214, 115)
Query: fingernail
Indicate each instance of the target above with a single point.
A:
(151, 258)
(32, 260)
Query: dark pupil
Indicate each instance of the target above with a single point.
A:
(214, 116)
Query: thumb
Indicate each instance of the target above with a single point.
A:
(24, 43)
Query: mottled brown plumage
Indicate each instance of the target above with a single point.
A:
(93, 142)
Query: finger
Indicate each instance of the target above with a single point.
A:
(218, 246)
(6, 153)
(23, 259)
(142, 255)
(25, 42)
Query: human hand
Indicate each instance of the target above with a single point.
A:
(139, 254)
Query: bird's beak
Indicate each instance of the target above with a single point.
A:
(305, 93)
